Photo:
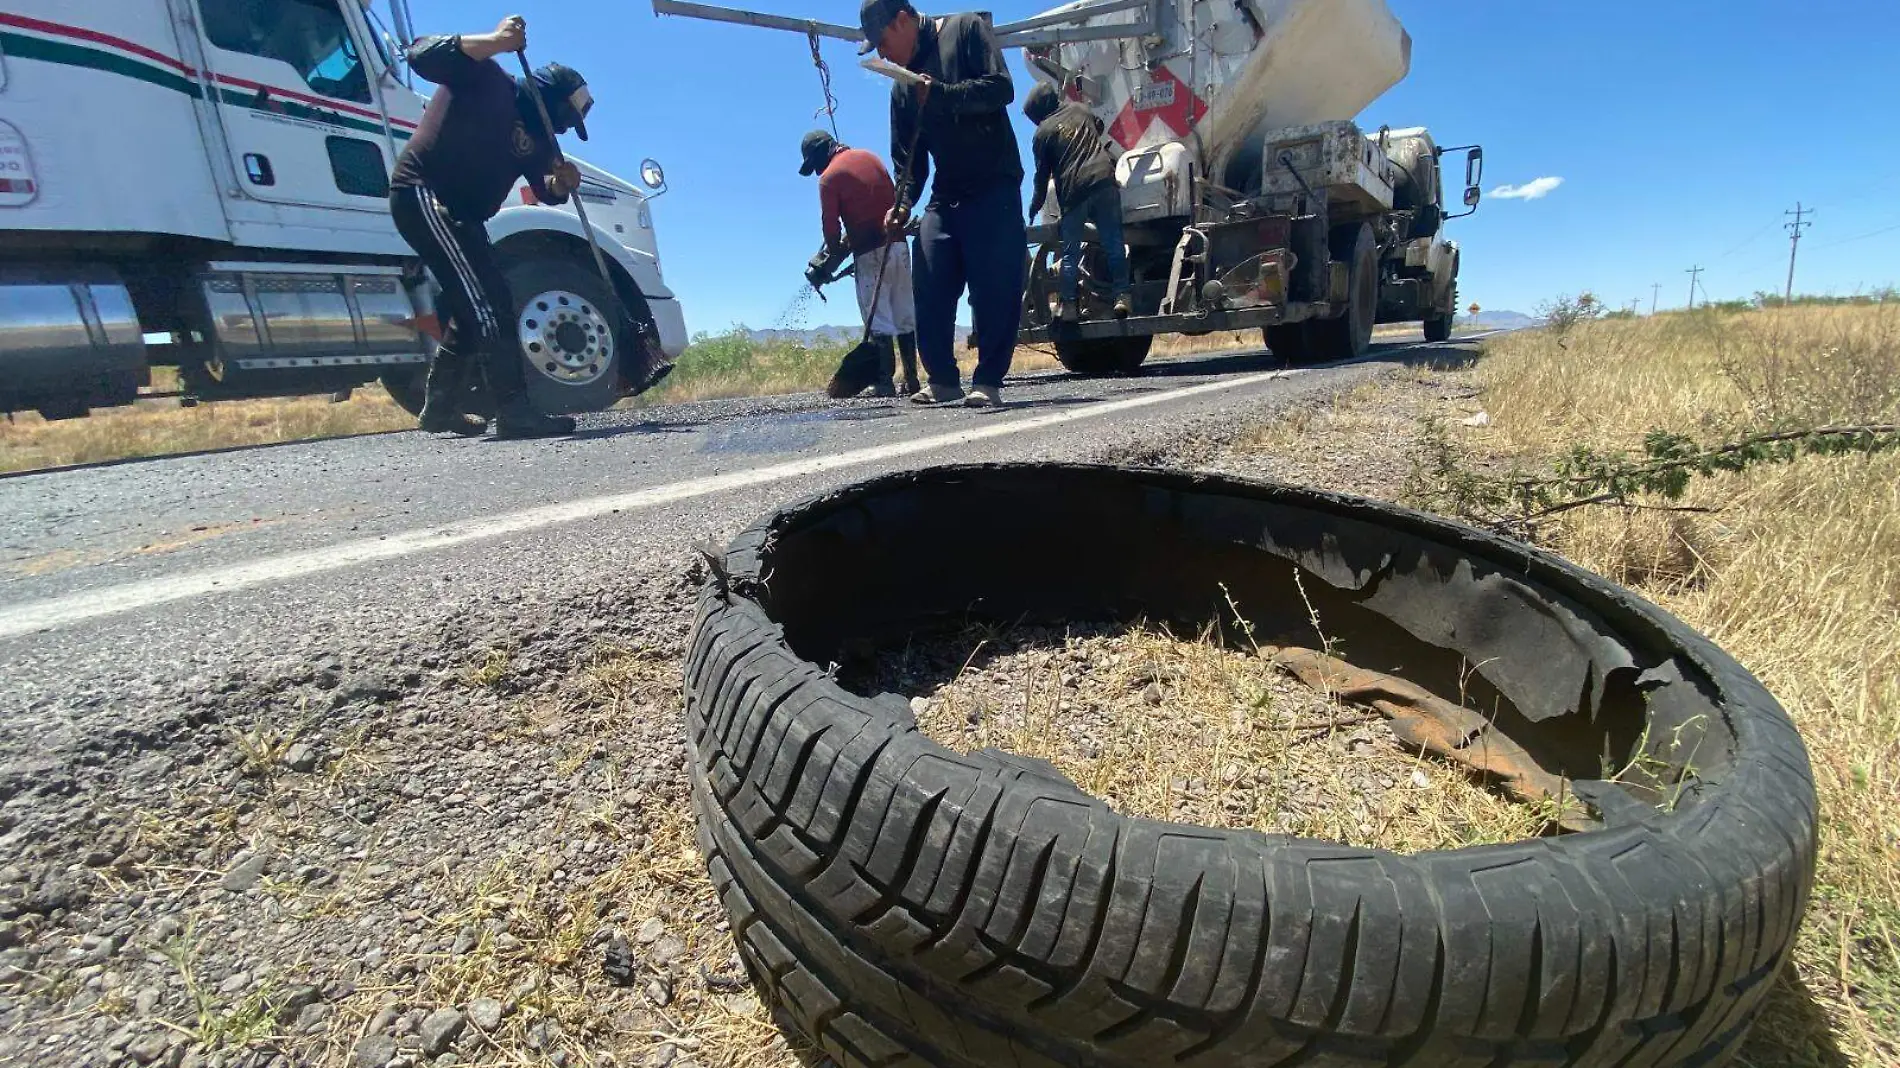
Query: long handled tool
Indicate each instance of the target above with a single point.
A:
(630, 328)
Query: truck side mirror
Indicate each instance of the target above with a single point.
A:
(1471, 197)
(1474, 168)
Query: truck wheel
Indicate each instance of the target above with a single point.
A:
(406, 385)
(1350, 334)
(904, 904)
(1291, 342)
(570, 346)
(1438, 329)
(1104, 356)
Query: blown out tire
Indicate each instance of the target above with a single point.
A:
(907, 905)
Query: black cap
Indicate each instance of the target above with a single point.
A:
(816, 149)
(558, 83)
(873, 16)
(1041, 103)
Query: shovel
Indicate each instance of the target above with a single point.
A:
(629, 327)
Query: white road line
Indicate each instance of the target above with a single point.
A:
(63, 611)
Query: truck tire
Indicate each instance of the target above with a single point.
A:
(559, 317)
(1438, 329)
(903, 904)
(1104, 356)
(1290, 342)
(1349, 335)
(406, 385)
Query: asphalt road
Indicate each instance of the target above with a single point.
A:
(124, 587)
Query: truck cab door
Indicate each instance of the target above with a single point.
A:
(301, 101)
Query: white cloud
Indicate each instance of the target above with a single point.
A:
(1535, 189)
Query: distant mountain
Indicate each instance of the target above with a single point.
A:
(1500, 320)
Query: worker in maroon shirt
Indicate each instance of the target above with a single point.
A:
(855, 193)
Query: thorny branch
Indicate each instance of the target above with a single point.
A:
(1585, 476)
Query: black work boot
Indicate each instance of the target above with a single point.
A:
(444, 389)
(907, 344)
(515, 417)
(885, 384)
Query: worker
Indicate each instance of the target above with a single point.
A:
(1071, 148)
(480, 135)
(855, 193)
(972, 229)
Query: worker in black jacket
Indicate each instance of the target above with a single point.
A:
(1070, 149)
(480, 135)
(972, 230)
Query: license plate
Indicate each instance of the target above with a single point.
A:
(1154, 95)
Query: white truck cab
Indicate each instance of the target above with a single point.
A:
(204, 183)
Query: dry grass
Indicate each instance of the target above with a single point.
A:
(1198, 731)
(1796, 574)
(162, 428)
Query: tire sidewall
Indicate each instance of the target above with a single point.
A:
(530, 276)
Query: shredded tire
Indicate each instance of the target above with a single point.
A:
(902, 904)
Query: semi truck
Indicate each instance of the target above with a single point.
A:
(203, 184)
(1250, 197)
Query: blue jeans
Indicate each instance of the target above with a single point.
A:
(979, 241)
(1104, 208)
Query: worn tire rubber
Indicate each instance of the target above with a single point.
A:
(1349, 335)
(407, 386)
(906, 905)
(1106, 356)
(1290, 342)
(1438, 329)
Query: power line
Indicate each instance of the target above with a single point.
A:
(1694, 274)
(1747, 241)
(1794, 243)
(1858, 237)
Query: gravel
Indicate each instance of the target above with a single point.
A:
(411, 816)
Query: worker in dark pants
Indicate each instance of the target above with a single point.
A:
(480, 135)
(855, 193)
(972, 231)
(1069, 147)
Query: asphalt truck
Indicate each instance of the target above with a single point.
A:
(203, 184)
(1250, 198)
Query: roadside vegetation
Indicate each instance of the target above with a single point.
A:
(1742, 469)
(1789, 560)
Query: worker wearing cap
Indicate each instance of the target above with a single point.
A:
(481, 134)
(855, 194)
(972, 229)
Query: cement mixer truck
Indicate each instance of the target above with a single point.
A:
(1250, 199)
(203, 184)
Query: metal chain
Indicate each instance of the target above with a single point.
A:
(830, 110)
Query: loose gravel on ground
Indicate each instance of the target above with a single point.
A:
(465, 841)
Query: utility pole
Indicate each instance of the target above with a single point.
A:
(1655, 290)
(1794, 244)
(1693, 273)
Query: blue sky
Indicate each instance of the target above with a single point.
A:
(1680, 130)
